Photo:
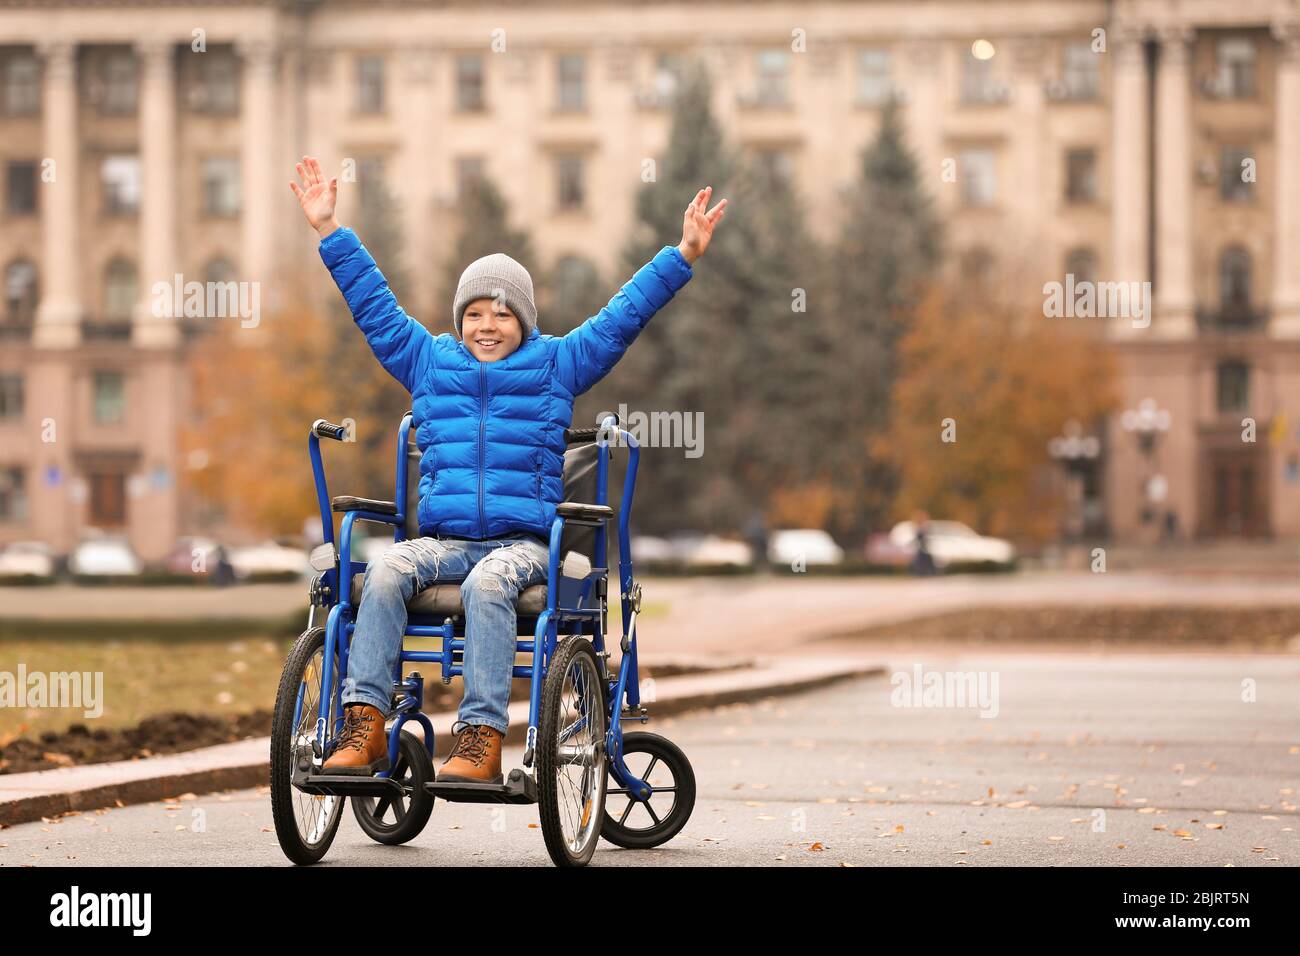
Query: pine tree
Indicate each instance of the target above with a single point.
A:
(887, 252)
(724, 346)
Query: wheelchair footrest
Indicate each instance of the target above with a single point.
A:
(518, 788)
(346, 785)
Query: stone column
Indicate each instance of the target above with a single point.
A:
(158, 252)
(59, 316)
(1285, 314)
(258, 178)
(1026, 196)
(1174, 296)
(1130, 186)
(411, 98)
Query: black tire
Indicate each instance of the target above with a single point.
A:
(305, 824)
(573, 693)
(396, 821)
(669, 773)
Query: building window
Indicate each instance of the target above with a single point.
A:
(370, 84)
(1233, 183)
(219, 270)
(875, 85)
(575, 278)
(978, 83)
(775, 167)
(667, 77)
(773, 77)
(1082, 264)
(22, 79)
(20, 189)
(1080, 73)
(217, 89)
(13, 494)
(119, 290)
(978, 177)
(11, 395)
(569, 181)
(119, 78)
(469, 83)
(221, 186)
(1081, 175)
(1233, 386)
(469, 174)
(109, 398)
(1235, 61)
(372, 182)
(1234, 285)
(572, 88)
(120, 180)
(20, 292)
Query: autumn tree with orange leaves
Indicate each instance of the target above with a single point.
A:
(1004, 380)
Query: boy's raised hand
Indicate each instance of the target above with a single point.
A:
(697, 225)
(316, 195)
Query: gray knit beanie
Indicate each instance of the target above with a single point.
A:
(492, 276)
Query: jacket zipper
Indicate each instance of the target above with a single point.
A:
(482, 447)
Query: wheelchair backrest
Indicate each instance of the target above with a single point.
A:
(580, 472)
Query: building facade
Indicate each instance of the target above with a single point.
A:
(1149, 141)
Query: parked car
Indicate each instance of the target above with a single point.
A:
(30, 559)
(104, 557)
(805, 545)
(648, 548)
(715, 550)
(180, 560)
(952, 542)
(270, 557)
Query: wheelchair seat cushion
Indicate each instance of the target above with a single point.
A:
(443, 600)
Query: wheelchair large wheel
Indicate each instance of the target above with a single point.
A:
(305, 823)
(571, 753)
(396, 820)
(635, 825)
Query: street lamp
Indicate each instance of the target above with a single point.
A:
(1076, 452)
(1147, 423)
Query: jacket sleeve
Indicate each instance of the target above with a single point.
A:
(589, 352)
(403, 346)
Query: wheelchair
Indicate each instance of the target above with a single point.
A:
(588, 777)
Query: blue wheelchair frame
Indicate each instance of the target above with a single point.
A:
(333, 590)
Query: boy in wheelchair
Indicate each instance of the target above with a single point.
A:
(490, 407)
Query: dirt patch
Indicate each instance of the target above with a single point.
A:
(176, 732)
(160, 734)
(1254, 629)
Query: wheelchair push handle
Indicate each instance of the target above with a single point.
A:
(578, 436)
(323, 429)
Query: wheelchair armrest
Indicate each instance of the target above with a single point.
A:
(350, 503)
(584, 512)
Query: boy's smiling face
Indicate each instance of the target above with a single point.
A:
(490, 330)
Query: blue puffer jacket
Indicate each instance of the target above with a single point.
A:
(491, 434)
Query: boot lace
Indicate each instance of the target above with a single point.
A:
(356, 729)
(472, 744)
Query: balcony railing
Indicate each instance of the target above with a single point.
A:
(106, 330)
(1232, 320)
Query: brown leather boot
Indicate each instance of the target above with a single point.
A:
(476, 758)
(362, 748)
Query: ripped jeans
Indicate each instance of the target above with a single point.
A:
(493, 574)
